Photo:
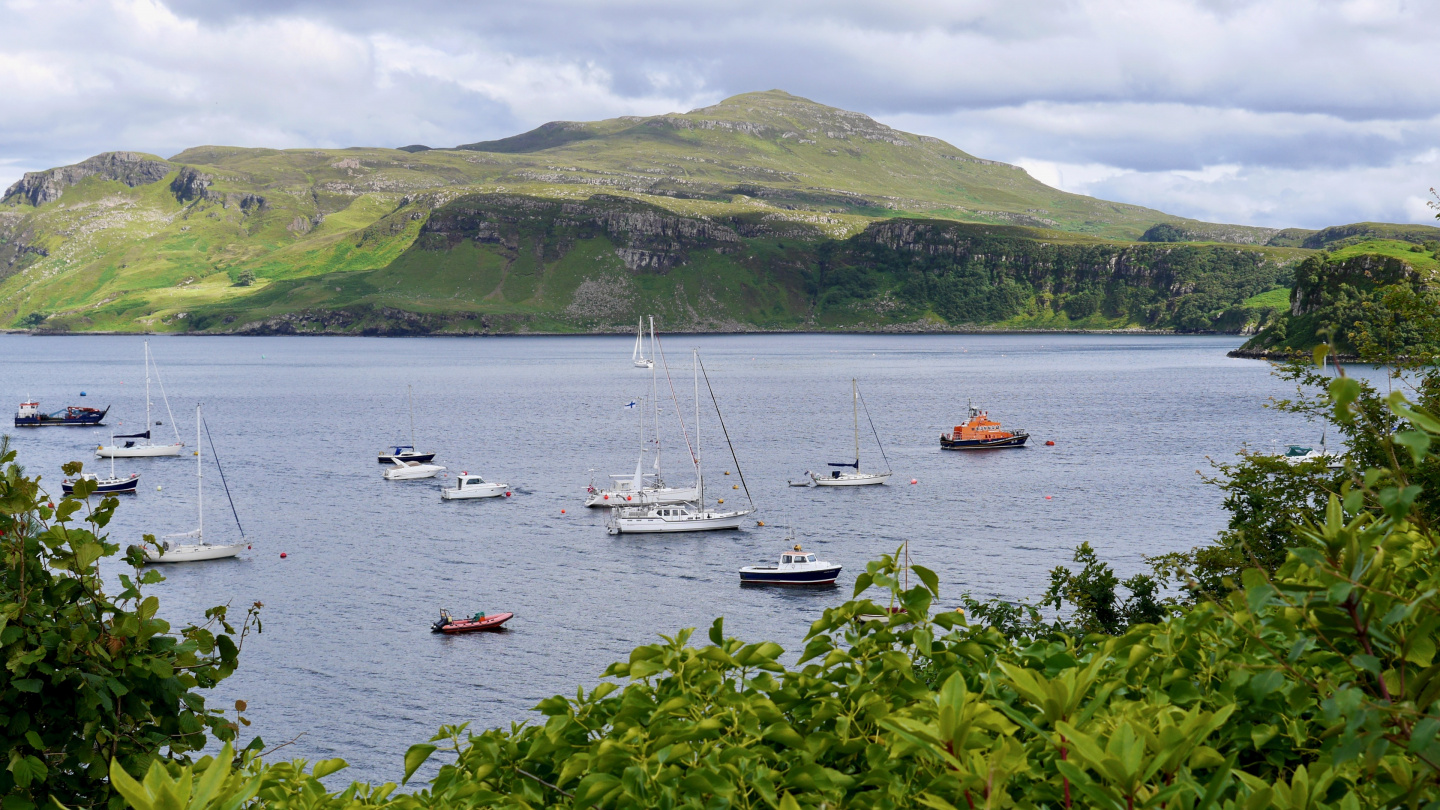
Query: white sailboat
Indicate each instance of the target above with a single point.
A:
(643, 488)
(842, 478)
(140, 445)
(638, 355)
(191, 546)
(690, 516)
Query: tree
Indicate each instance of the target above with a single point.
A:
(245, 278)
(92, 679)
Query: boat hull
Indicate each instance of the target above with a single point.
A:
(761, 575)
(645, 497)
(476, 491)
(87, 417)
(191, 553)
(704, 522)
(412, 473)
(851, 479)
(139, 451)
(472, 626)
(107, 487)
(983, 444)
(423, 458)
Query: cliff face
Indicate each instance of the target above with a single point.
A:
(131, 168)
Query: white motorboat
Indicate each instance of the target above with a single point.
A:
(410, 470)
(1298, 454)
(637, 357)
(854, 477)
(139, 445)
(191, 546)
(406, 452)
(796, 567)
(473, 486)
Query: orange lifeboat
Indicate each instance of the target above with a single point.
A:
(981, 432)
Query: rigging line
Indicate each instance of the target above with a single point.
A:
(873, 430)
(660, 347)
(716, 403)
(168, 412)
(216, 456)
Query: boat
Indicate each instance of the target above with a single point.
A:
(410, 470)
(138, 445)
(796, 567)
(192, 546)
(637, 357)
(642, 488)
(29, 415)
(980, 433)
(407, 452)
(1298, 454)
(855, 478)
(690, 516)
(104, 486)
(448, 624)
(472, 486)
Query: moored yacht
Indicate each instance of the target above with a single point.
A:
(139, 445)
(192, 546)
(854, 478)
(674, 517)
(469, 486)
(410, 470)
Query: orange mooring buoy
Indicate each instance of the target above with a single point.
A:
(1050, 443)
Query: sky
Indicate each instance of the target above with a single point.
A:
(1279, 113)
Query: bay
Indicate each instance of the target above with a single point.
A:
(346, 659)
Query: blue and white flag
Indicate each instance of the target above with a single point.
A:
(631, 404)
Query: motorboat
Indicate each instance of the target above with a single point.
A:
(1298, 454)
(637, 357)
(410, 470)
(29, 415)
(854, 478)
(674, 517)
(472, 486)
(981, 433)
(796, 567)
(448, 624)
(407, 452)
(139, 445)
(192, 546)
(103, 486)
(404, 452)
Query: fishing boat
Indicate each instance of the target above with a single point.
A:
(796, 567)
(469, 486)
(104, 486)
(192, 546)
(637, 357)
(139, 445)
(410, 470)
(691, 516)
(29, 415)
(407, 452)
(855, 478)
(448, 624)
(980, 433)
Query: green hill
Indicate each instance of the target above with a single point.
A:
(792, 194)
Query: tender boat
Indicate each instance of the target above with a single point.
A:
(407, 452)
(191, 546)
(796, 567)
(980, 433)
(410, 470)
(29, 415)
(138, 445)
(103, 486)
(674, 517)
(1297, 454)
(472, 486)
(448, 624)
(855, 478)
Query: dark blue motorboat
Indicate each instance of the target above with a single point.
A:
(29, 415)
(796, 567)
(404, 452)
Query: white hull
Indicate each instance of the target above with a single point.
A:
(192, 552)
(645, 497)
(644, 364)
(413, 473)
(851, 479)
(139, 451)
(480, 491)
(698, 522)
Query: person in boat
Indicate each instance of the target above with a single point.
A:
(478, 617)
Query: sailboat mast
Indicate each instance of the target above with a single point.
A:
(699, 473)
(655, 398)
(112, 454)
(855, 407)
(410, 395)
(199, 479)
(148, 420)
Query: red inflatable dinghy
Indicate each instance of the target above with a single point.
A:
(471, 625)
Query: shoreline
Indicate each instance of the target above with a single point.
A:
(631, 332)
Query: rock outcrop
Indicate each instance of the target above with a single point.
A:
(131, 168)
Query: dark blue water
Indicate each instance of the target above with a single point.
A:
(346, 657)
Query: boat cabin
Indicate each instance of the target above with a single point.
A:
(466, 480)
(796, 557)
(1296, 451)
(28, 409)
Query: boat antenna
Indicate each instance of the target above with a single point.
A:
(872, 428)
(723, 429)
(163, 396)
(222, 477)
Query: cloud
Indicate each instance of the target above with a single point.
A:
(1126, 98)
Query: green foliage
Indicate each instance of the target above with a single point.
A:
(245, 278)
(92, 681)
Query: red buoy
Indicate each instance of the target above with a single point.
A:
(507, 494)
(283, 555)
(914, 480)
(1050, 443)
(562, 511)
(1047, 497)
(607, 497)
(627, 497)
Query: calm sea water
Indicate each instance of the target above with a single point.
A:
(346, 657)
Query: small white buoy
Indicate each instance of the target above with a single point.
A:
(157, 489)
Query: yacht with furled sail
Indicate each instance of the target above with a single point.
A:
(139, 445)
(980, 433)
(855, 478)
(637, 357)
(689, 516)
(192, 546)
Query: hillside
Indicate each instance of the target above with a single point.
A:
(220, 237)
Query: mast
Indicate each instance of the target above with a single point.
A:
(699, 474)
(199, 479)
(855, 407)
(655, 400)
(410, 395)
(112, 454)
(148, 420)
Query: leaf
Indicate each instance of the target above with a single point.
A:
(27, 684)
(326, 767)
(717, 632)
(134, 793)
(928, 577)
(862, 582)
(416, 757)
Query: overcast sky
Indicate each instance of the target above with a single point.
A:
(1266, 112)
